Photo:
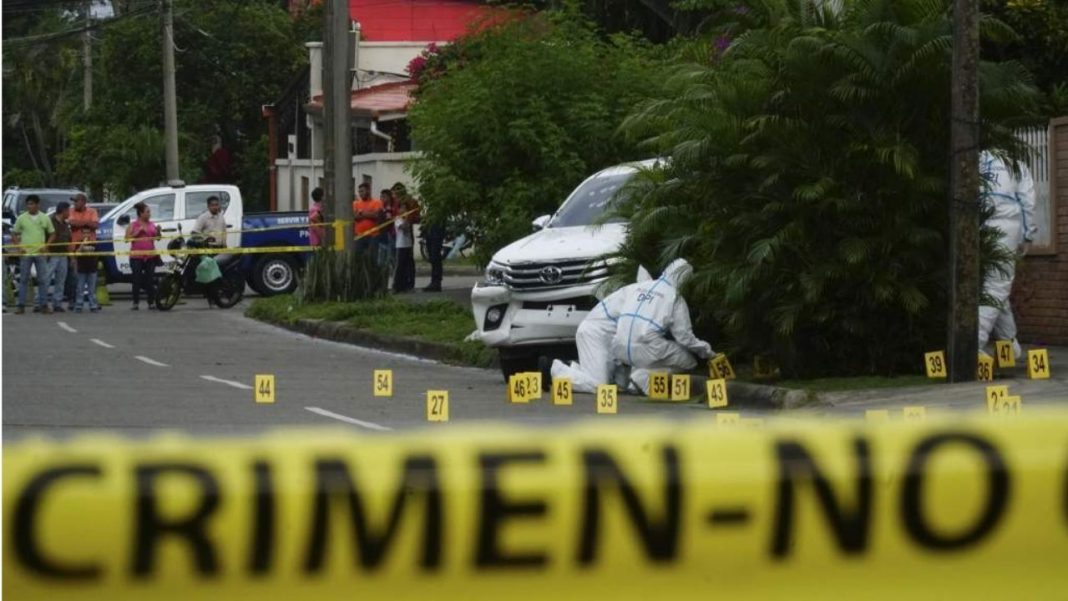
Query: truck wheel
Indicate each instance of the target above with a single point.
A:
(274, 274)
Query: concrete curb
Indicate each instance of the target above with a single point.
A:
(338, 331)
(771, 396)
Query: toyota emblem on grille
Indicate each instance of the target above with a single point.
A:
(551, 275)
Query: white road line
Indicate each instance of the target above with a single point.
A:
(100, 342)
(144, 359)
(66, 327)
(227, 382)
(349, 420)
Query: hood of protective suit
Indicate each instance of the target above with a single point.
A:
(677, 272)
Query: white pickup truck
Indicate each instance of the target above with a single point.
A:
(538, 289)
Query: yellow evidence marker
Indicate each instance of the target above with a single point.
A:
(999, 403)
(517, 388)
(658, 386)
(1003, 350)
(720, 367)
(1038, 364)
(935, 362)
(877, 415)
(533, 385)
(437, 405)
(914, 414)
(717, 393)
(263, 391)
(985, 369)
(728, 418)
(994, 395)
(763, 368)
(383, 382)
(680, 387)
(607, 399)
(562, 391)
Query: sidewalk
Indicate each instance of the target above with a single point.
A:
(960, 397)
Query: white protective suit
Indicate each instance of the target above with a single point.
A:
(1012, 199)
(651, 312)
(593, 338)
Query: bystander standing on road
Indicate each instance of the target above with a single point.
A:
(387, 239)
(404, 276)
(435, 242)
(142, 235)
(85, 267)
(316, 230)
(367, 213)
(33, 229)
(59, 262)
(83, 222)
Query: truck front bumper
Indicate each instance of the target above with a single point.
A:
(510, 318)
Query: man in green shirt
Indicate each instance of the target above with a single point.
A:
(33, 229)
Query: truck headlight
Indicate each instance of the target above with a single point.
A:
(495, 274)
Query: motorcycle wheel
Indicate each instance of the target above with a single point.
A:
(168, 292)
(228, 293)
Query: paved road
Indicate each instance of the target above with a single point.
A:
(192, 369)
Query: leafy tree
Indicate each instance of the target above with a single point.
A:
(1040, 43)
(38, 93)
(807, 181)
(232, 56)
(510, 119)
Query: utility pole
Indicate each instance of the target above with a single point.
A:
(965, 275)
(170, 103)
(87, 59)
(337, 93)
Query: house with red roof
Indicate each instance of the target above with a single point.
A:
(391, 33)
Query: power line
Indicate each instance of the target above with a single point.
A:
(49, 37)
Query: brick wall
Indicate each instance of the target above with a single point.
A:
(1040, 295)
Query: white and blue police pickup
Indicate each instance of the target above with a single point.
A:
(177, 207)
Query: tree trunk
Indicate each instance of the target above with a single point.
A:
(38, 132)
(965, 274)
(29, 147)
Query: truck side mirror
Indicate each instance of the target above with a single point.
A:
(123, 220)
(541, 222)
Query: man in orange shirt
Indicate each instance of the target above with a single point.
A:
(83, 220)
(367, 213)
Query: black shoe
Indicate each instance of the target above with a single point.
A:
(545, 365)
(432, 288)
(58, 309)
(36, 309)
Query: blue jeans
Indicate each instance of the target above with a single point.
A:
(40, 265)
(57, 274)
(85, 284)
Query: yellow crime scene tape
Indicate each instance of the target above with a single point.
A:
(968, 508)
(337, 225)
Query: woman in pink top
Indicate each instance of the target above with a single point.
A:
(316, 231)
(142, 235)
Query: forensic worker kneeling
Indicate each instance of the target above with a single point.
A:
(654, 332)
(594, 339)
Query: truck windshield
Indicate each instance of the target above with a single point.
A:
(590, 201)
(49, 200)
